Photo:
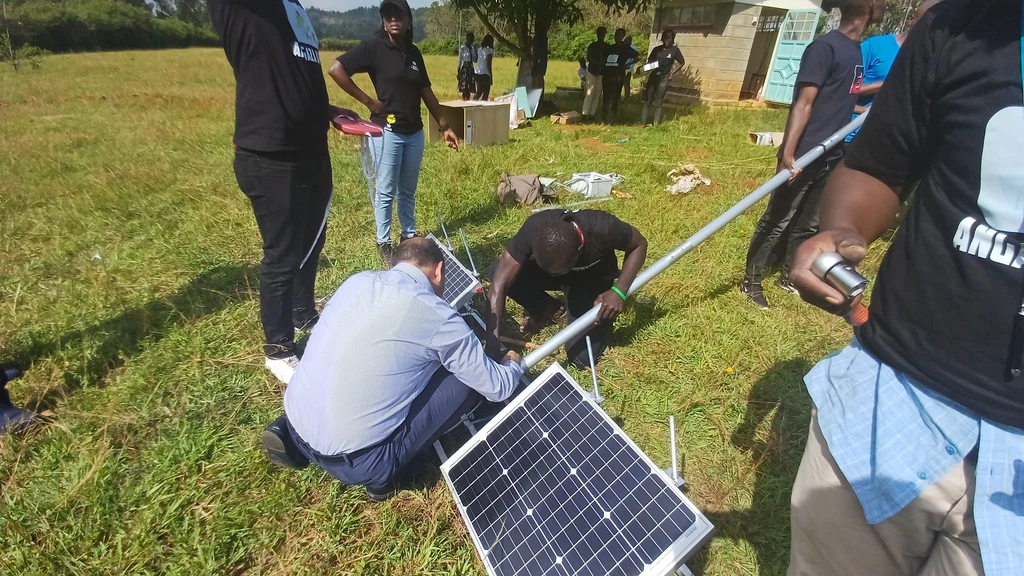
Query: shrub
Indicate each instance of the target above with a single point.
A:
(27, 54)
(338, 44)
(81, 25)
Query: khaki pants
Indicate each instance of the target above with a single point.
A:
(592, 99)
(933, 535)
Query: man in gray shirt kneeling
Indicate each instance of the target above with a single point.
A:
(388, 369)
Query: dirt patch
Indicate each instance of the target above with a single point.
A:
(696, 154)
(570, 128)
(597, 145)
(750, 184)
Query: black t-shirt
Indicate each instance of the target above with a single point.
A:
(280, 97)
(834, 64)
(615, 62)
(596, 54)
(950, 115)
(398, 77)
(603, 234)
(666, 57)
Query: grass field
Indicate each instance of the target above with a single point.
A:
(128, 273)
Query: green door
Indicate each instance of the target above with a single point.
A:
(796, 33)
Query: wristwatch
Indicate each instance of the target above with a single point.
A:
(442, 128)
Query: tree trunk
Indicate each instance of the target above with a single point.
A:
(525, 75)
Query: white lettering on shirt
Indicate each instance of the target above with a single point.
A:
(306, 53)
(987, 244)
(963, 234)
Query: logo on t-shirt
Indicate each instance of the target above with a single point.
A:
(307, 45)
(613, 60)
(858, 79)
(414, 66)
(1001, 196)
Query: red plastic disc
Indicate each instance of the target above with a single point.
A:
(357, 127)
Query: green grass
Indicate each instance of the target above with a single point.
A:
(128, 272)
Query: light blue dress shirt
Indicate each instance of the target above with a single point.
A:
(380, 339)
(892, 438)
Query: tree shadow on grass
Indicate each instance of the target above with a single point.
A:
(107, 345)
(776, 456)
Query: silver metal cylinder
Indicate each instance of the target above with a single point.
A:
(831, 268)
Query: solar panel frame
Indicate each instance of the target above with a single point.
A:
(460, 283)
(671, 557)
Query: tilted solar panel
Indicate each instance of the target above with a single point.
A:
(553, 486)
(459, 282)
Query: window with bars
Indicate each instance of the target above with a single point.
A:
(702, 16)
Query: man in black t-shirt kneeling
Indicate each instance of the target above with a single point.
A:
(570, 251)
(831, 73)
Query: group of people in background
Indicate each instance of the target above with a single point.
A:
(607, 71)
(475, 74)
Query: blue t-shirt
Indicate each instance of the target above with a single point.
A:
(878, 53)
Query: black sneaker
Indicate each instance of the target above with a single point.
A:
(786, 285)
(755, 293)
(386, 251)
(380, 494)
(280, 445)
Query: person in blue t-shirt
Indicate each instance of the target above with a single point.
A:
(879, 52)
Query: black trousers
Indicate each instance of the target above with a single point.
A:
(290, 194)
(483, 87)
(791, 217)
(612, 93)
(530, 287)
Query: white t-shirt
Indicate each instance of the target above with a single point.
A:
(483, 60)
(466, 54)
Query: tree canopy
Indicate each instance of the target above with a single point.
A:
(517, 23)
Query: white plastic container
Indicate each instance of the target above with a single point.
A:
(592, 184)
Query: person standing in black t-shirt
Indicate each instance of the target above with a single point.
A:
(830, 77)
(570, 251)
(615, 60)
(399, 77)
(281, 161)
(670, 61)
(915, 460)
(596, 54)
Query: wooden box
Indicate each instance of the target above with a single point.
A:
(487, 122)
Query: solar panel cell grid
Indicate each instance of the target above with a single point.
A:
(554, 487)
(459, 283)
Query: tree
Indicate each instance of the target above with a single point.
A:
(526, 24)
(191, 11)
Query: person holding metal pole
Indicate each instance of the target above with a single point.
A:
(830, 77)
(282, 165)
(399, 77)
(914, 463)
(570, 251)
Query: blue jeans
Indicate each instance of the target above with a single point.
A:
(397, 158)
(439, 407)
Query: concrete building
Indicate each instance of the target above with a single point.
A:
(737, 50)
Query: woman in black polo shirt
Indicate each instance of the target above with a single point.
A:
(400, 79)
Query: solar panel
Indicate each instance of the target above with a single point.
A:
(552, 486)
(459, 283)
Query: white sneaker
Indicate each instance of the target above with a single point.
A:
(283, 368)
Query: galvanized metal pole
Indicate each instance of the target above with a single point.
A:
(583, 323)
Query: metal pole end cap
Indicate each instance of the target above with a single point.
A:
(827, 261)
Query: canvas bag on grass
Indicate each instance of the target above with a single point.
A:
(525, 189)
